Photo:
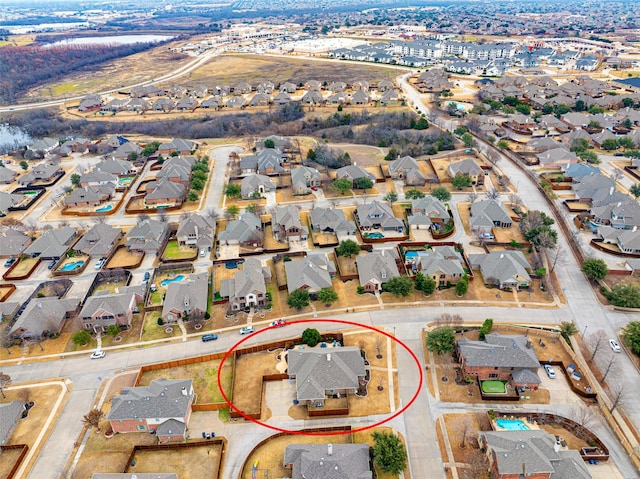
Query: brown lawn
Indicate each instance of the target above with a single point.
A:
(5, 291)
(348, 296)
(152, 330)
(347, 266)
(186, 462)
(125, 259)
(221, 273)
(613, 279)
(247, 385)
(285, 195)
(23, 266)
(9, 459)
(127, 336)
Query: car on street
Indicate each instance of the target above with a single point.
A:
(615, 346)
(247, 330)
(203, 253)
(9, 261)
(550, 371)
(209, 337)
(147, 275)
(278, 323)
(98, 355)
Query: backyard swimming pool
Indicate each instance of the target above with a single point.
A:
(493, 386)
(375, 235)
(512, 424)
(165, 282)
(105, 208)
(411, 255)
(72, 266)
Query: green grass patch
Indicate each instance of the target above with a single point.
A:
(175, 251)
(151, 330)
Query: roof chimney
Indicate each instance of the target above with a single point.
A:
(184, 391)
(330, 449)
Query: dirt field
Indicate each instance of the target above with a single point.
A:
(187, 462)
(204, 375)
(123, 259)
(248, 379)
(253, 69)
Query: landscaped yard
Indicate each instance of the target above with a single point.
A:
(204, 375)
(151, 330)
(175, 251)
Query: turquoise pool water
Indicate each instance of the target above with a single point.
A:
(411, 255)
(105, 208)
(72, 266)
(375, 235)
(512, 424)
(165, 282)
(125, 180)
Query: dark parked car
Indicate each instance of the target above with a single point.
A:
(52, 264)
(9, 262)
(209, 337)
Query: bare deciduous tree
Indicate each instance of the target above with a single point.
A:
(515, 200)
(595, 342)
(163, 216)
(492, 194)
(618, 395)
(5, 380)
(142, 217)
(379, 346)
(478, 466)
(472, 197)
(24, 395)
(582, 414)
(556, 257)
(463, 428)
(92, 419)
(610, 365)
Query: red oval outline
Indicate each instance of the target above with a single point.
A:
(332, 433)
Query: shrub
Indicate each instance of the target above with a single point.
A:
(485, 328)
(360, 290)
(160, 321)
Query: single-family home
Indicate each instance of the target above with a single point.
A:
(267, 162)
(245, 231)
(312, 97)
(10, 414)
(43, 316)
(163, 104)
(556, 158)
(146, 91)
(85, 196)
(182, 147)
(52, 244)
(319, 373)
(282, 98)
(213, 102)
(530, 453)
(286, 224)
(12, 242)
(426, 211)
(164, 193)
(360, 97)
(116, 167)
(99, 241)
(313, 85)
(8, 201)
(621, 215)
(7, 175)
(163, 407)
(248, 287)
(389, 97)
(196, 231)
(407, 169)
(376, 268)
(627, 240)
(42, 173)
(441, 263)
(177, 169)
(303, 179)
(44, 144)
(149, 236)
(504, 269)
(254, 186)
(288, 87)
(102, 310)
(126, 151)
(236, 102)
(500, 357)
(376, 215)
(186, 298)
(467, 167)
(353, 172)
(488, 214)
(311, 273)
(97, 177)
(332, 220)
(260, 99)
(323, 461)
(187, 104)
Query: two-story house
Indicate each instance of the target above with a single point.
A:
(286, 224)
(248, 287)
(376, 215)
(102, 310)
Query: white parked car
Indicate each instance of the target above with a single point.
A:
(247, 330)
(98, 355)
(615, 346)
(550, 371)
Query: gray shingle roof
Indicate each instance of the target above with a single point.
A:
(246, 228)
(502, 266)
(324, 219)
(497, 350)
(99, 240)
(312, 273)
(163, 398)
(10, 414)
(252, 183)
(245, 281)
(319, 371)
(148, 235)
(287, 216)
(323, 461)
(353, 172)
(431, 207)
(187, 295)
(376, 213)
(112, 303)
(467, 166)
(12, 242)
(52, 243)
(493, 210)
(377, 267)
(43, 314)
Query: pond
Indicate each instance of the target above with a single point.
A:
(12, 137)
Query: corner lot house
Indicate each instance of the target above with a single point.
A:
(10, 414)
(319, 373)
(186, 298)
(322, 461)
(163, 407)
(376, 268)
(426, 212)
(102, 310)
(467, 167)
(536, 454)
(500, 357)
(489, 214)
(505, 269)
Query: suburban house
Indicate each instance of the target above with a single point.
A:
(164, 193)
(116, 167)
(7, 175)
(182, 147)
(311, 273)
(556, 158)
(97, 177)
(500, 357)
(245, 231)
(43, 144)
(486, 215)
(376, 268)
(467, 167)
(126, 151)
(8, 201)
(389, 97)
(254, 186)
(177, 169)
(322, 461)
(99, 241)
(12, 242)
(163, 104)
(427, 211)
(627, 240)
(303, 179)
(505, 269)
(10, 414)
(102, 310)
(42, 173)
(53, 244)
(163, 407)
(376, 215)
(407, 169)
(312, 98)
(534, 453)
(332, 220)
(599, 190)
(442, 263)
(287, 225)
(280, 143)
(578, 170)
(247, 288)
(266, 162)
(353, 172)
(196, 231)
(43, 316)
(186, 299)
(622, 215)
(148, 236)
(321, 373)
(89, 196)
